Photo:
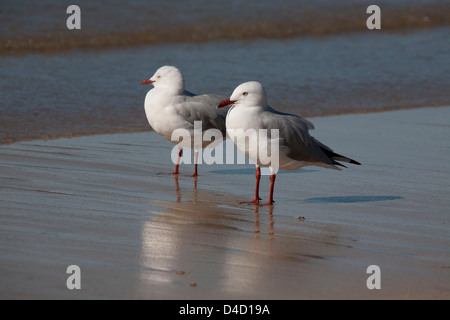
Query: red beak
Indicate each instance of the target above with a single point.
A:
(225, 103)
(148, 81)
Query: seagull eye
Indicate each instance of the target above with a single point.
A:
(158, 77)
(245, 93)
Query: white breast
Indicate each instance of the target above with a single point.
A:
(243, 127)
(160, 115)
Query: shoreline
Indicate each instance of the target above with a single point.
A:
(109, 204)
(398, 19)
(131, 131)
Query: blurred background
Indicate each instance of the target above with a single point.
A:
(314, 58)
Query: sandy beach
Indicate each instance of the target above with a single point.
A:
(109, 204)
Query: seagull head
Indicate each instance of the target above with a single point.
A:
(166, 77)
(247, 94)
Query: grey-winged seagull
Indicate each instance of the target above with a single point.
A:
(168, 107)
(250, 113)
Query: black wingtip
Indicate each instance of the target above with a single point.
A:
(337, 157)
(338, 164)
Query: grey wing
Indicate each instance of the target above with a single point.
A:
(294, 134)
(188, 93)
(203, 108)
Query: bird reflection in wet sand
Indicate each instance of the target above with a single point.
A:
(178, 190)
(271, 221)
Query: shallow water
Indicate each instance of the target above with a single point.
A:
(97, 92)
(69, 91)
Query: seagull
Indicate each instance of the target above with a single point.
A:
(168, 107)
(249, 113)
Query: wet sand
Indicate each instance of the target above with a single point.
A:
(109, 204)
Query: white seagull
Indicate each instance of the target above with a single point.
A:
(169, 107)
(296, 148)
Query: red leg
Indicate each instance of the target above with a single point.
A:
(272, 186)
(258, 178)
(195, 197)
(180, 154)
(177, 188)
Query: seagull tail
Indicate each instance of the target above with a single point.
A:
(337, 157)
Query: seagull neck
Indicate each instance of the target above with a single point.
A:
(260, 107)
(171, 90)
